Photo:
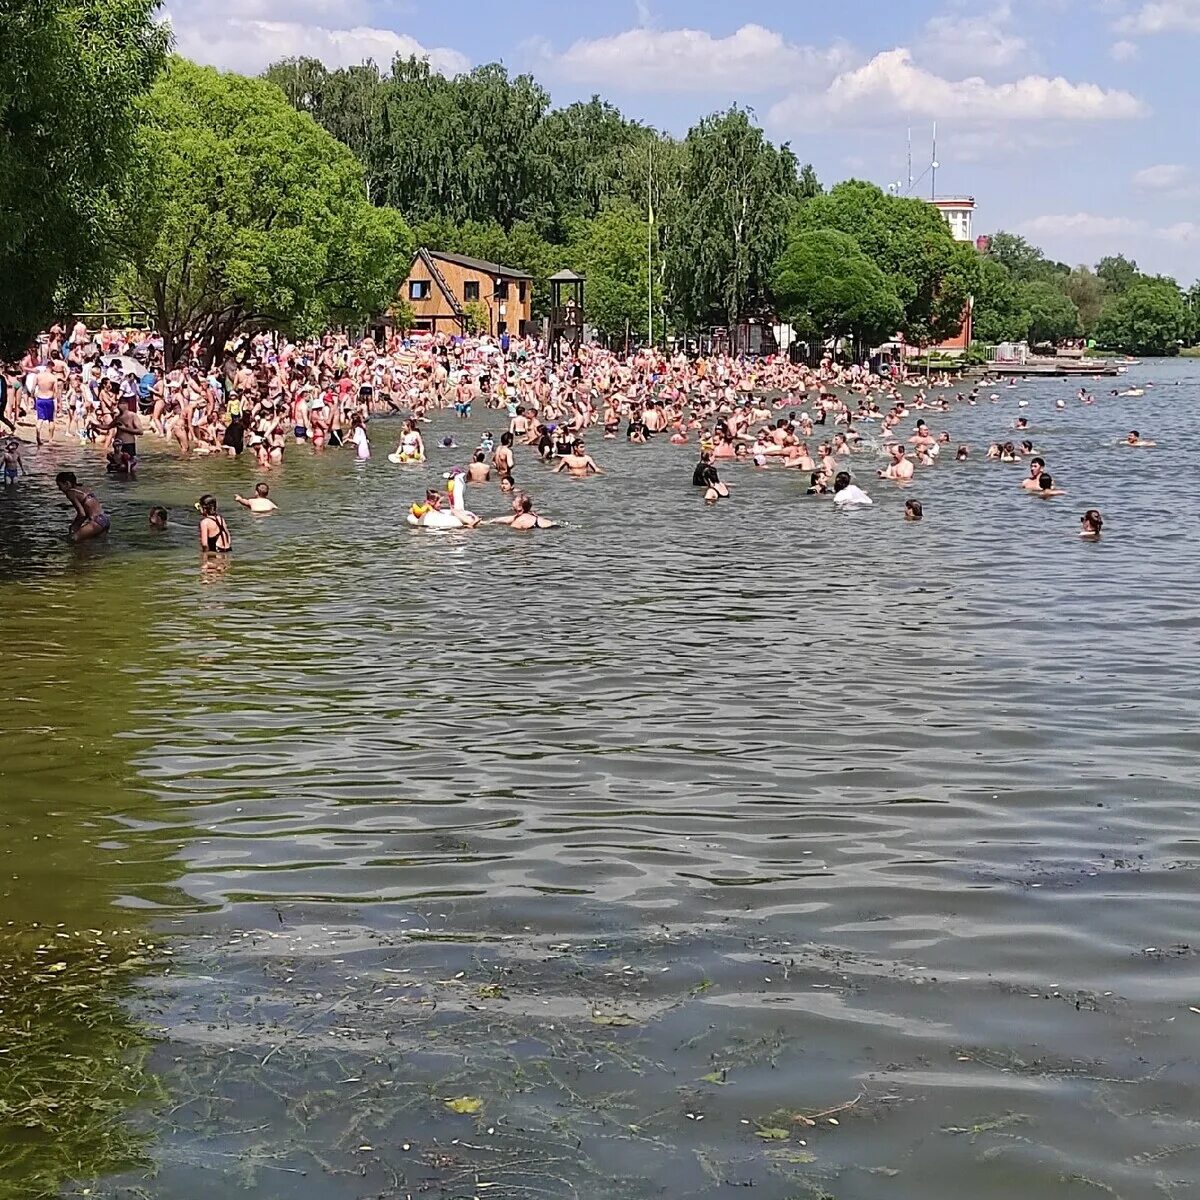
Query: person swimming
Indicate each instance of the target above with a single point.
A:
(1045, 487)
(1135, 439)
(1091, 523)
(158, 517)
(913, 510)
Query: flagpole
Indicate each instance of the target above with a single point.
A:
(650, 247)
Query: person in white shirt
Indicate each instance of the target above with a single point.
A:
(847, 493)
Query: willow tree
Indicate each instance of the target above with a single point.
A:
(71, 73)
(248, 215)
(736, 195)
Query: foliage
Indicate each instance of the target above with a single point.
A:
(1052, 316)
(1149, 318)
(71, 74)
(1089, 293)
(402, 315)
(1119, 272)
(1024, 261)
(827, 287)
(737, 192)
(908, 241)
(247, 214)
(478, 316)
(998, 315)
(610, 250)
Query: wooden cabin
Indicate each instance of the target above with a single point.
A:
(439, 286)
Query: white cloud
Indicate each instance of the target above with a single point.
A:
(1085, 226)
(1123, 51)
(248, 35)
(891, 83)
(1082, 225)
(1163, 16)
(984, 41)
(689, 60)
(1165, 177)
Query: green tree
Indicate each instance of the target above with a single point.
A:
(1089, 293)
(828, 288)
(610, 250)
(1119, 272)
(584, 145)
(248, 215)
(478, 316)
(1150, 318)
(1052, 316)
(71, 74)
(1023, 261)
(998, 315)
(908, 241)
(737, 193)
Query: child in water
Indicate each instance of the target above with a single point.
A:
(12, 462)
(1091, 523)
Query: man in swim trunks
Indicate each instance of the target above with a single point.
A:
(126, 427)
(45, 393)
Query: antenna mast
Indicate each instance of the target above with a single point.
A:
(933, 166)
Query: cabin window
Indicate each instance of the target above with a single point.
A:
(471, 289)
(418, 289)
(521, 291)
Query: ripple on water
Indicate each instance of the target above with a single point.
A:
(829, 803)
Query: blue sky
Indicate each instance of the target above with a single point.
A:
(1070, 122)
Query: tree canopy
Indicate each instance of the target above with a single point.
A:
(610, 250)
(908, 241)
(828, 288)
(736, 196)
(1149, 317)
(71, 74)
(246, 214)
(1052, 315)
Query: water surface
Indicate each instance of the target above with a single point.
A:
(758, 845)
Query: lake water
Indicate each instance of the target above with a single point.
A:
(646, 841)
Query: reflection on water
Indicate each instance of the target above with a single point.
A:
(756, 845)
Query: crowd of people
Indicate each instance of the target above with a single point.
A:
(268, 396)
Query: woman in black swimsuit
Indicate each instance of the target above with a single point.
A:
(215, 537)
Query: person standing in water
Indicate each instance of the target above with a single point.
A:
(705, 476)
(215, 537)
(260, 503)
(578, 462)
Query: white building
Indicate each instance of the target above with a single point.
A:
(959, 212)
